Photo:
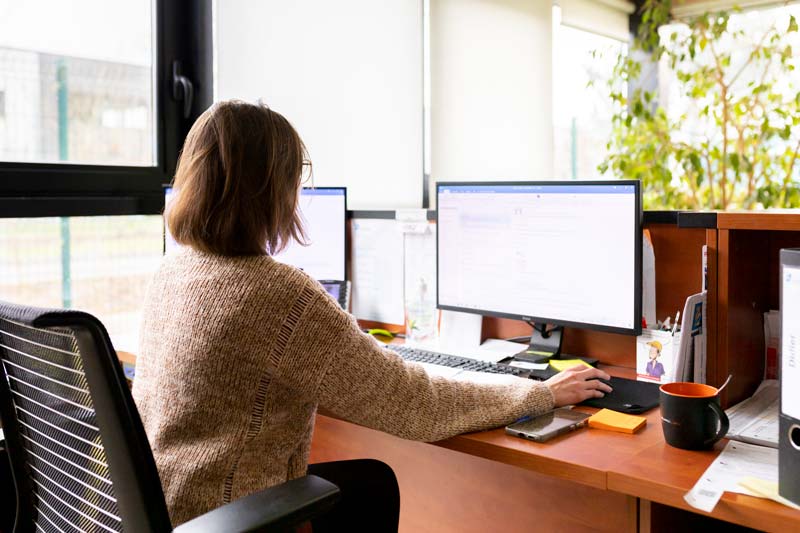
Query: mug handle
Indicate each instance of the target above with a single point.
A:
(724, 423)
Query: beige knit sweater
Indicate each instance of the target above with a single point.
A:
(237, 353)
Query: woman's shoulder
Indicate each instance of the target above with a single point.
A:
(189, 265)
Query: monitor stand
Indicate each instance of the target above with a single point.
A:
(545, 344)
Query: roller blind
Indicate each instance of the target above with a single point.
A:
(491, 89)
(348, 75)
(604, 17)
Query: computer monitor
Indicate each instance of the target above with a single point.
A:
(323, 211)
(561, 253)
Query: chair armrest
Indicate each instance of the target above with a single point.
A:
(275, 509)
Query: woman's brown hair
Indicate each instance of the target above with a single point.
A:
(238, 181)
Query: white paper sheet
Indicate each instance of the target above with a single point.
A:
(755, 420)
(377, 275)
(413, 220)
(501, 349)
(460, 333)
(790, 344)
(737, 461)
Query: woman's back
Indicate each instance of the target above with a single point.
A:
(221, 421)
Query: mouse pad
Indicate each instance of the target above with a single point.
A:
(629, 396)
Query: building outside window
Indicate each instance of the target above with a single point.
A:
(62, 75)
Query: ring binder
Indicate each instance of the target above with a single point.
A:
(789, 422)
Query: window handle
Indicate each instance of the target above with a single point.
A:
(182, 88)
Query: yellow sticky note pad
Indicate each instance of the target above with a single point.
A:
(563, 364)
(614, 421)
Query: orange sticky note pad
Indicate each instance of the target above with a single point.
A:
(615, 421)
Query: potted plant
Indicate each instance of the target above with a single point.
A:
(726, 135)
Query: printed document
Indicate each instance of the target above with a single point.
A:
(737, 461)
(378, 271)
(755, 420)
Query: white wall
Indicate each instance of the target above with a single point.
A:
(491, 89)
(348, 75)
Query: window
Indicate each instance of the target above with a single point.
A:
(582, 110)
(90, 128)
(684, 109)
(66, 71)
(91, 100)
(729, 86)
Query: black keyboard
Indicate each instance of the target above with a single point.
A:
(454, 361)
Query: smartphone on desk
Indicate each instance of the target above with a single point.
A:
(544, 427)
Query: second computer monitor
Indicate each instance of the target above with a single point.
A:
(323, 211)
(548, 252)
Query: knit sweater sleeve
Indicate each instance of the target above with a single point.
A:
(372, 386)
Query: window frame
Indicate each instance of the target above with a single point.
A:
(183, 32)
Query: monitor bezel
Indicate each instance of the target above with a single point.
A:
(637, 228)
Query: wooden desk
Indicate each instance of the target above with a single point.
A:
(587, 480)
(446, 491)
(663, 474)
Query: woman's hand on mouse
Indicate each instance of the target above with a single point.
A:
(577, 384)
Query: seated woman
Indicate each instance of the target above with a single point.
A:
(238, 350)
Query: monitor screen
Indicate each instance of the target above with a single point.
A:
(548, 252)
(323, 210)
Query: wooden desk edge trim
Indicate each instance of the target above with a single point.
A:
(733, 507)
(536, 463)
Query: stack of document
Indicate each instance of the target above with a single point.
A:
(755, 420)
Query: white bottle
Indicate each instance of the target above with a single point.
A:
(420, 314)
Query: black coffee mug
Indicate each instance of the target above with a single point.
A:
(691, 416)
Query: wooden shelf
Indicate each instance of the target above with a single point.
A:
(788, 220)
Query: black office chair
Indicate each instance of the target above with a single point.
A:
(79, 455)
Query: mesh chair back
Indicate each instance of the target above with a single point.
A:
(80, 458)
